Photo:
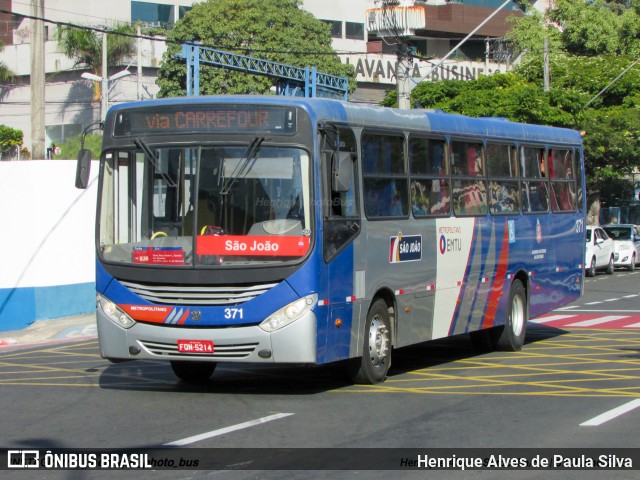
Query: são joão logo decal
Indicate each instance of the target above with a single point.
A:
(405, 249)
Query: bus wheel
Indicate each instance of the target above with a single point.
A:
(193, 372)
(372, 368)
(511, 336)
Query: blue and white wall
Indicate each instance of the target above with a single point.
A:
(47, 259)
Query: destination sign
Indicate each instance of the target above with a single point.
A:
(206, 119)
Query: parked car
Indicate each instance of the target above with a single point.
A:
(599, 253)
(626, 244)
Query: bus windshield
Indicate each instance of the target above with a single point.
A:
(207, 205)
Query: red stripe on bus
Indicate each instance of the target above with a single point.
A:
(498, 283)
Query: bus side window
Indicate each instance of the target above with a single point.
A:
(469, 184)
(429, 179)
(563, 187)
(385, 178)
(503, 178)
(534, 187)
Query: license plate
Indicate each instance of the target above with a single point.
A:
(195, 346)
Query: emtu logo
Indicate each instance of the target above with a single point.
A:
(23, 458)
(443, 244)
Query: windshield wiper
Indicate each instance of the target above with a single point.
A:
(243, 167)
(154, 160)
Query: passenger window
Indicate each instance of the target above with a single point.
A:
(430, 193)
(563, 182)
(385, 178)
(534, 189)
(502, 166)
(469, 184)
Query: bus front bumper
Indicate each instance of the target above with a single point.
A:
(294, 343)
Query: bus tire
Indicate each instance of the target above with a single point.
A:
(374, 364)
(510, 337)
(193, 372)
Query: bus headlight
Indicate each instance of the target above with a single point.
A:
(114, 313)
(289, 313)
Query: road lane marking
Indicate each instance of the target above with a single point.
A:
(611, 414)
(551, 318)
(222, 431)
(597, 321)
(633, 325)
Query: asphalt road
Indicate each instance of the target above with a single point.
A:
(569, 388)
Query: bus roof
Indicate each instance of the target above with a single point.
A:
(366, 115)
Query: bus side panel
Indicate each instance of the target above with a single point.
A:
(475, 284)
(456, 240)
(559, 245)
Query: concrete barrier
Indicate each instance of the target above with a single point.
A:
(47, 241)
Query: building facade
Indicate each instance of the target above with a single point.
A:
(379, 38)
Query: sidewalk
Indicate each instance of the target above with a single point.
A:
(40, 332)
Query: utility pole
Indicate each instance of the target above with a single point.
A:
(37, 81)
(139, 56)
(547, 84)
(403, 78)
(105, 80)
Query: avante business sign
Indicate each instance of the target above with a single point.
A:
(383, 68)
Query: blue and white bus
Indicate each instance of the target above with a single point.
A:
(271, 229)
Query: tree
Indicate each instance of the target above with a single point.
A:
(70, 149)
(6, 74)
(84, 46)
(276, 30)
(10, 141)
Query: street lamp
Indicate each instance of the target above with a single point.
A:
(105, 87)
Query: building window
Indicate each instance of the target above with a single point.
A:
(152, 14)
(354, 31)
(336, 28)
(182, 11)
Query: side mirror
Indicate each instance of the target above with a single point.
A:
(83, 168)
(342, 171)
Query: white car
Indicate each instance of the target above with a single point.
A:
(626, 244)
(599, 253)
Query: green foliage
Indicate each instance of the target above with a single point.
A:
(85, 47)
(9, 139)
(501, 95)
(267, 29)
(6, 75)
(70, 149)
